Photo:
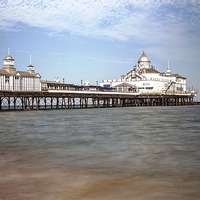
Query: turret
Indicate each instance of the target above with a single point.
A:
(8, 63)
(30, 68)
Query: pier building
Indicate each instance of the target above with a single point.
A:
(11, 79)
(144, 78)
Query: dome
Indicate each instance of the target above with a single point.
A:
(8, 57)
(143, 57)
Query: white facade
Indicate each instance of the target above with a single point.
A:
(144, 78)
(11, 79)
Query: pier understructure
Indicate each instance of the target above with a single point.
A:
(52, 99)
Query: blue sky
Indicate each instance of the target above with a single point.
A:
(101, 39)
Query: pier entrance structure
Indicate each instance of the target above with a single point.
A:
(11, 79)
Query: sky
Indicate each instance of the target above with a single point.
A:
(101, 39)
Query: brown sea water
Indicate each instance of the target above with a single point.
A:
(109, 153)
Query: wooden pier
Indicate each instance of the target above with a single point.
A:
(66, 99)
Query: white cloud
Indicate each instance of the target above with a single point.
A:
(144, 20)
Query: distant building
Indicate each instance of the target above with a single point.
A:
(11, 79)
(55, 85)
(144, 78)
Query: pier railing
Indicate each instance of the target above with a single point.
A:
(140, 92)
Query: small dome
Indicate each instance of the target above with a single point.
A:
(30, 65)
(8, 57)
(143, 57)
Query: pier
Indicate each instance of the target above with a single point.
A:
(71, 99)
(142, 86)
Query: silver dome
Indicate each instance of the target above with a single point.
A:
(143, 57)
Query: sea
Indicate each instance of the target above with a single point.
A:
(129, 153)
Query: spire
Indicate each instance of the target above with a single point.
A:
(168, 70)
(30, 59)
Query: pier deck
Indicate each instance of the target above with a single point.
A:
(68, 99)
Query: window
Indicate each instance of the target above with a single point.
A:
(107, 86)
(149, 88)
(7, 79)
(179, 89)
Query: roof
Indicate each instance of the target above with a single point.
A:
(178, 76)
(21, 73)
(27, 74)
(149, 71)
(30, 65)
(8, 57)
(53, 83)
(124, 85)
(4, 72)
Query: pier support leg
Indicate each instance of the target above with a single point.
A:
(86, 102)
(98, 103)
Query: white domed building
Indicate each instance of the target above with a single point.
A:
(144, 78)
(11, 79)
